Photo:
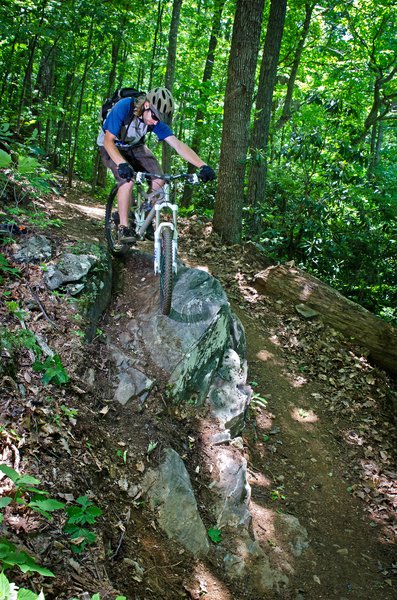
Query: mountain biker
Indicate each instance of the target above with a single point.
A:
(125, 157)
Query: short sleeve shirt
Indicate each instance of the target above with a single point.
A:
(136, 130)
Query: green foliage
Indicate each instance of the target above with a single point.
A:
(53, 370)
(83, 513)
(16, 340)
(26, 485)
(11, 557)
(9, 591)
(6, 269)
(5, 159)
(33, 217)
(16, 310)
(215, 535)
(26, 493)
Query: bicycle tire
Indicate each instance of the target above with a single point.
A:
(111, 226)
(166, 273)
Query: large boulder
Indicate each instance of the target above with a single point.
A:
(189, 344)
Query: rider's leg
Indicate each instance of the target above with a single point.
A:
(124, 196)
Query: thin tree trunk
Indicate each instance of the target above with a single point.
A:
(8, 70)
(200, 115)
(286, 112)
(98, 168)
(170, 72)
(80, 105)
(157, 32)
(238, 101)
(267, 81)
(29, 68)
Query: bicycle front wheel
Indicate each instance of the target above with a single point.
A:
(112, 222)
(166, 270)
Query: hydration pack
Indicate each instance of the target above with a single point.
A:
(126, 92)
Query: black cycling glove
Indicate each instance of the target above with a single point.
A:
(206, 173)
(125, 171)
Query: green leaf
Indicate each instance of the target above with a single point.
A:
(214, 535)
(4, 587)
(27, 164)
(5, 159)
(21, 480)
(48, 505)
(5, 502)
(24, 594)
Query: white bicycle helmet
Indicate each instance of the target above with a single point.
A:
(161, 102)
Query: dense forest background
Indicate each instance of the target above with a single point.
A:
(294, 103)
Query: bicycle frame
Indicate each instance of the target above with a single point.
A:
(162, 203)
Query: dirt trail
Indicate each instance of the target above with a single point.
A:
(319, 446)
(311, 467)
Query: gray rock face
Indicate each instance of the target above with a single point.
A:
(229, 396)
(294, 532)
(170, 493)
(189, 344)
(200, 350)
(71, 267)
(34, 248)
(233, 489)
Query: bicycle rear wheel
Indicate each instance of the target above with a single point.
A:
(112, 223)
(166, 270)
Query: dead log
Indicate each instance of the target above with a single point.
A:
(368, 330)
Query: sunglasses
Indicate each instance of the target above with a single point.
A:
(152, 114)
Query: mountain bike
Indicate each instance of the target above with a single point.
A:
(158, 206)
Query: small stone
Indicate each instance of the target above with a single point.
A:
(305, 311)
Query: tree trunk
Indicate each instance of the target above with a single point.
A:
(368, 330)
(80, 105)
(267, 81)
(157, 34)
(200, 115)
(286, 112)
(98, 168)
(238, 101)
(26, 83)
(170, 72)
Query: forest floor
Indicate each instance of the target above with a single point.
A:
(320, 444)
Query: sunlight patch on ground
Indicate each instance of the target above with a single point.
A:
(203, 584)
(302, 415)
(296, 381)
(266, 356)
(94, 212)
(259, 479)
(203, 268)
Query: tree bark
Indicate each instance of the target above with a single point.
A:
(208, 69)
(170, 72)
(238, 101)
(267, 81)
(286, 112)
(26, 83)
(80, 106)
(368, 330)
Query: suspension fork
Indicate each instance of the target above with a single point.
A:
(160, 225)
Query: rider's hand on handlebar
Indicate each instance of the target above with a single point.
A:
(206, 174)
(125, 171)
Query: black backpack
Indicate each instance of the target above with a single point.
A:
(126, 92)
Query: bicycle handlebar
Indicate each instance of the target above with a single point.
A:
(190, 177)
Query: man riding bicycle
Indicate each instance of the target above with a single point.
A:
(123, 150)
